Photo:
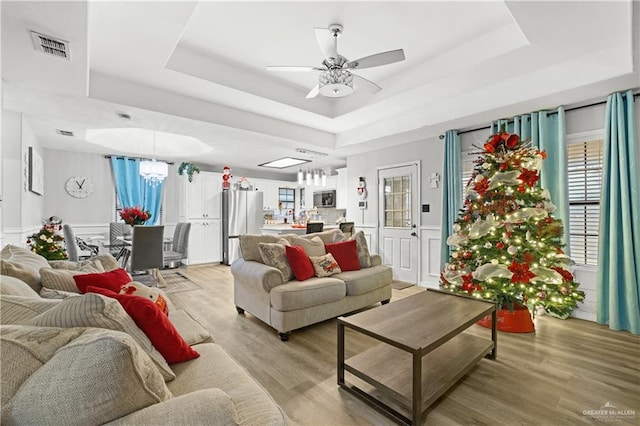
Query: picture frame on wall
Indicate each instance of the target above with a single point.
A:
(36, 172)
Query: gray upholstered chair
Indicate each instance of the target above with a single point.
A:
(347, 228)
(74, 245)
(314, 227)
(147, 250)
(180, 246)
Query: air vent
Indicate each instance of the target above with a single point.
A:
(51, 45)
(64, 132)
(123, 116)
(312, 154)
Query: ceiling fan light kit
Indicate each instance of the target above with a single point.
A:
(335, 79)
(335, 83)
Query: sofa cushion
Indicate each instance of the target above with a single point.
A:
(300, 263)
(274, 254)
(23, 264)
(111, 280)
(22, 309)
(98, 376)
(16, 287)
(216, 369)
(49, 293)
(302, 294)
(108, 262)
(155, 324)
(199, 408)
(346, 254)
(313, 246)
(365, 280)
(94, 310)
(249, 245)
(190, 330)
(62, 279)
(329, 236)
(325, 266)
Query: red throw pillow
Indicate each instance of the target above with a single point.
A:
(111, 280)
(346, 254)
(156, 325)
(300, 263)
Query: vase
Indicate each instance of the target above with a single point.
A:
(127, 232)
(517, 320)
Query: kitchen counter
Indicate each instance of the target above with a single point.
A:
(286, 228)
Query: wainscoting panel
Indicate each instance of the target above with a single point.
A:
(430, 256)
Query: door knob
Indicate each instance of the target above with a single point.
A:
(413, 234)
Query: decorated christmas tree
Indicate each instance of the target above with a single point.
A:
(48, 242)
(506, 246)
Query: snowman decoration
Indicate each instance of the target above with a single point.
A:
(362, 188)
(226, 175)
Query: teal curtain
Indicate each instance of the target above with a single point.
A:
(546, 131)
(451, 191)
(133, 190)
(618, 280)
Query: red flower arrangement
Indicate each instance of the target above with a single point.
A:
(134, 215)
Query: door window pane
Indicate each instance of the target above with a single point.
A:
(397, 202)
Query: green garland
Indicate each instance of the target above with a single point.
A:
(189, 168)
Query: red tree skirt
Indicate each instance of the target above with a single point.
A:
(516, 321)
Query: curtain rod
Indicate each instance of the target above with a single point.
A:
(137, 158)
(548, 114)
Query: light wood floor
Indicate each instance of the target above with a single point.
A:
(548, 378)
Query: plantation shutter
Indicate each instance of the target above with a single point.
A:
(585, 184)
(468, 159)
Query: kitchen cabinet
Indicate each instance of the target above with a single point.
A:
(205, 242)
(203, 196)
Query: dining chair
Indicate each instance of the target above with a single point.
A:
(347, 228)
(147, 250)
(180, 246)
(314, 227)
(74, 245)
(117, 229)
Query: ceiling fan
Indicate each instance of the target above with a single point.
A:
(336, 79)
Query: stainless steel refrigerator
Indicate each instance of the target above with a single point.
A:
(241, 214)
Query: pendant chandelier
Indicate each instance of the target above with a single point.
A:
(154, 172)
(316, 177)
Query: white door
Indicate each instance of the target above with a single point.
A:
(398, 220)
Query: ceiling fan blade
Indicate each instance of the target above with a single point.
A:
(293, 68)
(327, 42)
(364, 84)
(314, 92)
(378, 59)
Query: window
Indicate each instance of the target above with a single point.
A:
(397, 202)
(468, 163)
(584, 168)
(287, 201)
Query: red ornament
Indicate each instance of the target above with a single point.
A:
(512, 141)
(489, 148)
(466, 217)
(521, 273)
(503, 166)
(499, 245)
(521, 189)
(548, 219)
(528, 257)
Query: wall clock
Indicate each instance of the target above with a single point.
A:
(79, 187)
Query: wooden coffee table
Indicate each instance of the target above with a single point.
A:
(423, 351)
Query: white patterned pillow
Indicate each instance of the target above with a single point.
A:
(94, 310)
(275, 255)
(96, 375)
(16, 287)
(325, 266)
(23, 264)
(62, 279)
(48, 293)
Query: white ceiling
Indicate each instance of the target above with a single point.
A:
(199, 69)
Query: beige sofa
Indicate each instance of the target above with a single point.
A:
(288, 304)
(96, 367)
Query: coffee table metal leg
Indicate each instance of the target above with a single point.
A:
(340, 354)
(416, 415)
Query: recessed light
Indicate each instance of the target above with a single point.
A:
(64, 132)
(283, 163)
